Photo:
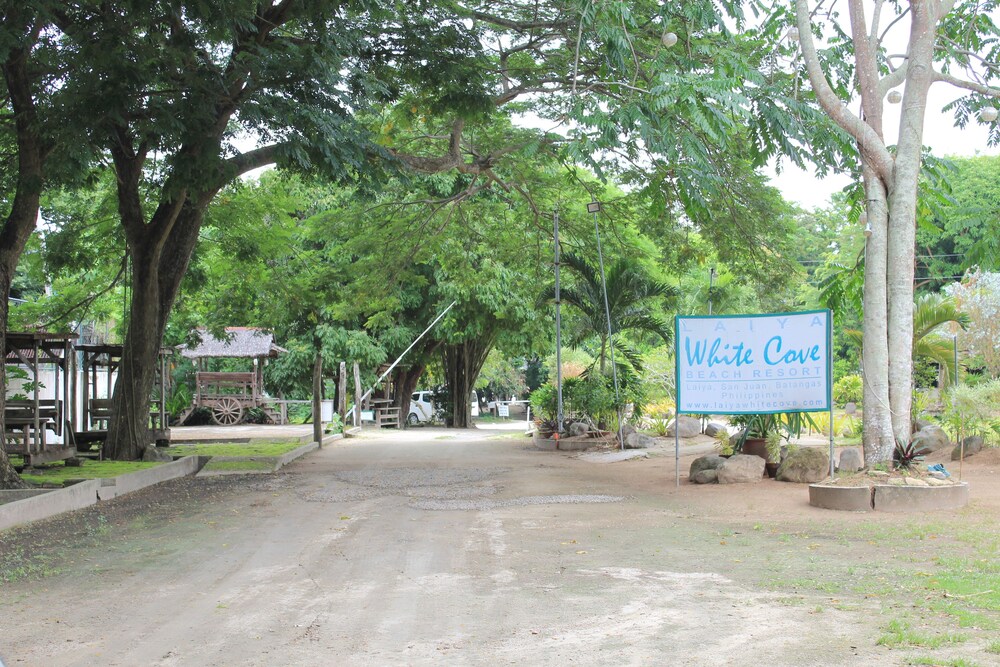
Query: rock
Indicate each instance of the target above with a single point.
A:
(850, 461)
(709, 462)
(577, 429)
(973, 445)
(627, 430)
(153, 454)
(687, 427)
(713, 429)
(878, 473)
(932, 481)
(930, 438)
(914, 481)
(639, 441)
(705, 477)
(806, 465)
(921, 424)
(740, 469)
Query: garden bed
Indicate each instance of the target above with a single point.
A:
(909, 491)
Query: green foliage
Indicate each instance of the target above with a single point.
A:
(787, 425)
(907, 455)
(590, 398)
(544, 402)
(335, 425)
(501, 376)
(630, 291)
(973, 410)
(724, 444)
(179, 400)
(847, 389)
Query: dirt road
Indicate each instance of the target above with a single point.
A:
(415, 548)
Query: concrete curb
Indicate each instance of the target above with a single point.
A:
(49, 504)
(842, 498)
(920, 498)
(298, 452)
(133, 481)
(91, 491)
(889, 497)
(279, 461)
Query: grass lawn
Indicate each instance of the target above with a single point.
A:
(58, 473)
(271, 448)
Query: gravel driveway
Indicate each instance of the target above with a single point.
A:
(405, 548)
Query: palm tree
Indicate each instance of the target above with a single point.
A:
(930, 312)
(630, 295)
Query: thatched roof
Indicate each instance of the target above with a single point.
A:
(242, 342)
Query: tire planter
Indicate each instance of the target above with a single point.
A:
(889, 497)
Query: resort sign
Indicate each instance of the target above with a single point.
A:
(753, 363)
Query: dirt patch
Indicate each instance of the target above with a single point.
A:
(330, 561)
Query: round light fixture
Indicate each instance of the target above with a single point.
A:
(988, 114)
(894, 97)
(669, 39)
(792, 34)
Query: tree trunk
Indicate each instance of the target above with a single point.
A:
(405, 382)
(902, 215)
(342, 394)
(160, 254)
(20, 221)
(357, 395)
(877, 438)
(317, 405)
(462, 363)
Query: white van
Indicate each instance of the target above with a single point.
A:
(422, 407)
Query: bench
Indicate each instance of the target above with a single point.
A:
(19, 424)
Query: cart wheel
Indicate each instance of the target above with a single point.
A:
(227, 411)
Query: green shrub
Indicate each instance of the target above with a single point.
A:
(848, 389)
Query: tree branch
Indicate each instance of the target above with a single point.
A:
(870, 144)
(980, 88)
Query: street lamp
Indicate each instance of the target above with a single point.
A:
(595, 208)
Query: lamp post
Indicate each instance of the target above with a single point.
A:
(594, 207)
(559, 394)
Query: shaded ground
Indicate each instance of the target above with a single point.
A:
(435, 547)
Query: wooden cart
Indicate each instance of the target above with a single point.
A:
(229, 394)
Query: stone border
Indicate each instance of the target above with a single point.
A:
(46, 504)
(567, 444)
(90, 492)
(889, 497)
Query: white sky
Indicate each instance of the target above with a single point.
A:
(940, 134)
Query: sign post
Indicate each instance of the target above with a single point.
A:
(753, 364)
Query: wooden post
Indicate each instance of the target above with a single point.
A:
(342, 393)
(317, 406)
(357, 395)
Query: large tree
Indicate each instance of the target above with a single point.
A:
(33, 128)
(174, 87)
(944, 42)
